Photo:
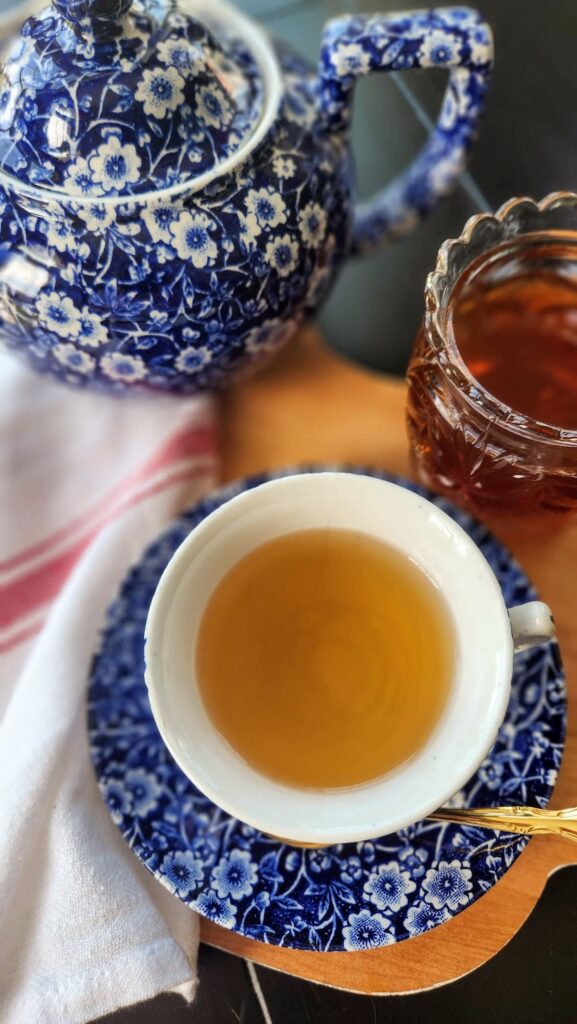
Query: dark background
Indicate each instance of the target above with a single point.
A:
(528, 146)
(531, 981)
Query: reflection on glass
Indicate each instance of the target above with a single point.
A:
(21, 275)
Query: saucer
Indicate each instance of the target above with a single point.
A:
(348, 897)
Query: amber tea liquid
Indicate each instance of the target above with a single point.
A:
(325, 658)
(518, 337)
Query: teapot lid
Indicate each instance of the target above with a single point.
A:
(101, 99)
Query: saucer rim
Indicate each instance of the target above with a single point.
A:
(511, 844)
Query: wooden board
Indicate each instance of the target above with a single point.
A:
(312, 406)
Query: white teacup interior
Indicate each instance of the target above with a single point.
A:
(479, 694)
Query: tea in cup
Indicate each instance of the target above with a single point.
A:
(334, 640)
(329, 657)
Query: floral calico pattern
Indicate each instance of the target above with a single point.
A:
(356, 896)
(156, 102)
(136, 263)
(204, 283)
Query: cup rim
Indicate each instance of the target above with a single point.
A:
(270, 818)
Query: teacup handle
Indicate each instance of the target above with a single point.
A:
(356, 45)
(531, 624)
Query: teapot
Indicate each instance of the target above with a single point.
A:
(177, 191)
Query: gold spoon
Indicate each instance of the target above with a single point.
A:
(526, 821)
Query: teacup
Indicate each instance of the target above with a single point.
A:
(486, 636)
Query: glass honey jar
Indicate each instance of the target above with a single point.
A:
(492, 381)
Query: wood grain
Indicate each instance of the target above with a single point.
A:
(313, 406)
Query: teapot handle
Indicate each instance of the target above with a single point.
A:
(355, 45)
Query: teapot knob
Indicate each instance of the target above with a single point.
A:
(97, 17)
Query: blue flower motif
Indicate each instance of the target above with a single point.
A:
(480, 45)
(29, 108)
(181, 872)
(113, 166)
(448, 885)
(266, 209)
(152, 850)
(190, 235)
(123, 367)
(387, 887)
(491, 773)
(292, 860)
(220, 911)
(318, 860)
(556, 690)
(213, 107)
(139, 271)
(160, 91)
(69, 356)
(366, 851)
(352, 870)
(538, 742)
(116, 798)
(413, 860)
(187, 123)
(422, 917)
(492, 862)
(439, 48)
(205, 846)
(235, 875)
(282, 253)
(367, 931)
(144, 789)
(59, 314)
(159, 217)
(299, 923)
(193, 358)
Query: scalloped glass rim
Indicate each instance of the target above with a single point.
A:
(265, 57)
(439, 280)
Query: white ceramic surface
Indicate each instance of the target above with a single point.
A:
(481, 683)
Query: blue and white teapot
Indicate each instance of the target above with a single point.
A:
(176, 191)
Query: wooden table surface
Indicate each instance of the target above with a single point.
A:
(526, 147)
(313, 406)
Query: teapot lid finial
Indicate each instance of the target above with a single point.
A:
(102, 16)
(105, 98)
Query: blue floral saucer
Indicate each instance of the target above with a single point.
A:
(350, 897)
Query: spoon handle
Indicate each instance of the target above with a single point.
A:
(527, 821)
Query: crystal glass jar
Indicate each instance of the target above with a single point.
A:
(466, 442)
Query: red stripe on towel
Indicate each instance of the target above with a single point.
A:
(41, 585)
(199, 441)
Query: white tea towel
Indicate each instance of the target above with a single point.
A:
(85, 482)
